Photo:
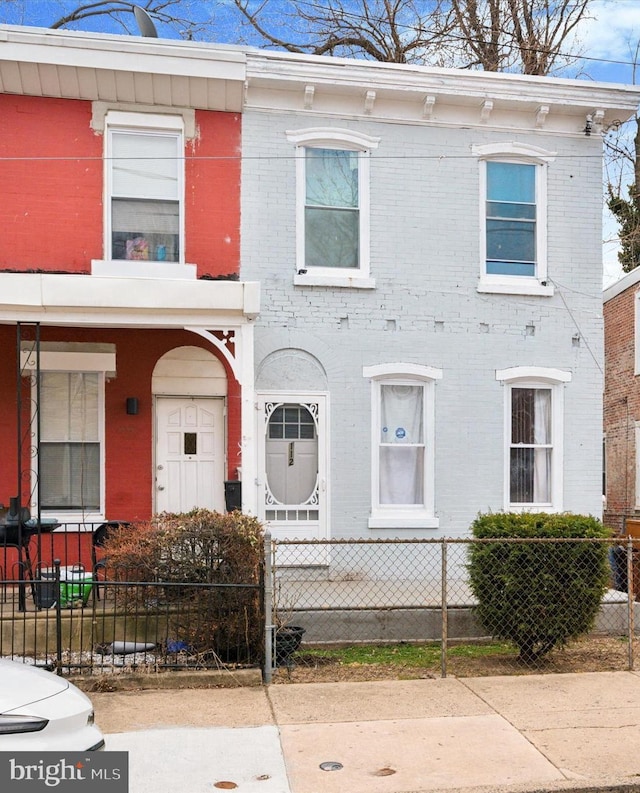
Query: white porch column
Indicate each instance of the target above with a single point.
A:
(242, 366)
(246, 376)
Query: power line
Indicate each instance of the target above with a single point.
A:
(458, 37)
(278, 158)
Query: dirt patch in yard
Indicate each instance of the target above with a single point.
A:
(592, 654)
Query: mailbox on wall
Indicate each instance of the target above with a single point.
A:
(233, 495)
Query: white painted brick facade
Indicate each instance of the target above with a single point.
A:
(425, 309)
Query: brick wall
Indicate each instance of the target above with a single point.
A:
(621, 407)
(51, 203)
(425, 257)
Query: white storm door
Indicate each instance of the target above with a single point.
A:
(190, 461)
(293, 465)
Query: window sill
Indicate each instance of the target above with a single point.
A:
(398, 522)
(344, 281)
(533, 508)
(118, 268)
(515, 286)
(72, 521)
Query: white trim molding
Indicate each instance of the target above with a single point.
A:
(534, 373)
(151, 127)
(342, 140)
(519, 154)
(331, 136)
(543, 379)
(404, 516)
(513, 150)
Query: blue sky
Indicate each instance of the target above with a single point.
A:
(609, 41)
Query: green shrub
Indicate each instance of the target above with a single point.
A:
(180, 553)
(538, 595)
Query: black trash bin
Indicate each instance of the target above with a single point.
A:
(45, 588)
(233, 495)
(618, 561)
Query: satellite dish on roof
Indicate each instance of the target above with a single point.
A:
(145, 23)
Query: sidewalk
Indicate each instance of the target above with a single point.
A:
(529, 733)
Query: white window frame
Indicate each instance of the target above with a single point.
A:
(343, 140)
(544, 378)
(157, 124)
(523, 154)
(102, 364)
(392, 516)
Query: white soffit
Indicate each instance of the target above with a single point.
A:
(72, 65)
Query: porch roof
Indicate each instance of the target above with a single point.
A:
(89, 300)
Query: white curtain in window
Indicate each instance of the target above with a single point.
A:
(401, 444)
(542, 435)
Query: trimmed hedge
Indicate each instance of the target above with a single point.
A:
(538, 595)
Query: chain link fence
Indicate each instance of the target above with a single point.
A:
(401, 607)
(453, 606)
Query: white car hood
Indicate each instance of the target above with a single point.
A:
(22, 685)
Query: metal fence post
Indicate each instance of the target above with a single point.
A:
(445, 614)
(630, 599)
(56, 589)
(268, 609)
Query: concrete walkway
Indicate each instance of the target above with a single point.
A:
(528, 733)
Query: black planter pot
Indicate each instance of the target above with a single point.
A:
(287, 641)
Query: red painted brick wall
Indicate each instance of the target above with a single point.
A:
(51, 176)
(212, 195)
(51, 214)
(51, 203)
(621, 407)
(129, 439)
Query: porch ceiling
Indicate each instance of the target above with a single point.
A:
(88, 300)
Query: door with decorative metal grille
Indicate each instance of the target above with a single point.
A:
(293, 465)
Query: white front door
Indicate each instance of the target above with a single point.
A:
(190, 461)
(293, 465)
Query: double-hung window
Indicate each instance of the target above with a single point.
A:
(332, 214)
(402, 462)
(70, 445)
(533, 436)
(145, 187)
(69, 469)
(513, 219)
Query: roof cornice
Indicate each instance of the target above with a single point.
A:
(133, 69)
(402, 92)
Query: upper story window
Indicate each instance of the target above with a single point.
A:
(403, 455)
(332, 207)
(513, 192)
(144, 195)
(533, 437)
(511, 218)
